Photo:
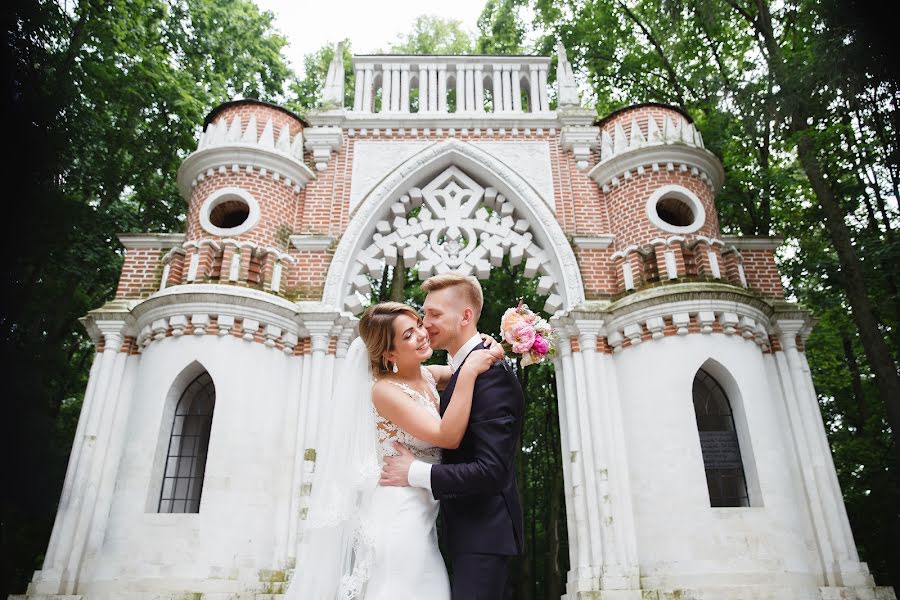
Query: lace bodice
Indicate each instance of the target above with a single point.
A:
(388, 432)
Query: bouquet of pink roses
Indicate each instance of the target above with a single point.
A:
(527, 334)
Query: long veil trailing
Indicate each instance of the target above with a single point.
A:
(335, 552)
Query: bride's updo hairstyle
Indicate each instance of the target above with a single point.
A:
(376, 328)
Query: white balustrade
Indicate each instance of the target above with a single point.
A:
(518, 84)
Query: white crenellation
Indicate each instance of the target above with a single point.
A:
(676, 143)
(222, 142)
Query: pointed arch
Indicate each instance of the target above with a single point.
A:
(561, 264)
(185, 427)
(725, 441)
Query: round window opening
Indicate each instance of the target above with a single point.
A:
(229, 214)
(229, 211)
(675, 211)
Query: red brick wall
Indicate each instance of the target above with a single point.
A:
(141, 272)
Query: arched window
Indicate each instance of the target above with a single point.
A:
(188, 446)
(719, 443)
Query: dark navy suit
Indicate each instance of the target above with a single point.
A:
(476, 484)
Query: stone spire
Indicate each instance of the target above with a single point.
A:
(568, 90)
(333, 92)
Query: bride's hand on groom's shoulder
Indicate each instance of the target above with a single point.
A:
(494, 347)
(480, 361)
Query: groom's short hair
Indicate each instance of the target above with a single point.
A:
(466, 285)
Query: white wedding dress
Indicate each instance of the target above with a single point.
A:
(363, 541)
(407, 561)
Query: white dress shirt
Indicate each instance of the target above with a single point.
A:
(419, 471)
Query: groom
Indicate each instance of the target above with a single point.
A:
(476, 483)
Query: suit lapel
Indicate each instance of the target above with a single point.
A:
(448, 391)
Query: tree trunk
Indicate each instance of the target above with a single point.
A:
(855, 383)
(874, 345)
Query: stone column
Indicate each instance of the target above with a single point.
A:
(534, 97)
(542, 87)
(479, 88)
(304, 462)
(619, 570)
(803, 444)
(72, 484)
(108, 469)
(507, 89)
(386, 88)
(432, 88)
(68, 542)
(461, 89)
(395, 88)
(404, 88)
(368, 88)
(358, 90)
(423, 88)
(470, 89)
(497, 83)
(580, 577)
(832, 526)
(442, 88)
(566, 453)
(516, 88)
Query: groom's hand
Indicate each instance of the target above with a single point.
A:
(396, 468)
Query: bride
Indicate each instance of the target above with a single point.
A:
(362, 540)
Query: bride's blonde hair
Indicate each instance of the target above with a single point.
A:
(376, 328)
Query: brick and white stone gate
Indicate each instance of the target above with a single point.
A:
(196, 443)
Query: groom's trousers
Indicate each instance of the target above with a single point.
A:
(479, 576)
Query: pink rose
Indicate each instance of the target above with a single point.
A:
(522, 338)
(541, 345)
(510, 319)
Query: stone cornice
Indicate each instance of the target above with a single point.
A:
(593, 242)
(434, 120)
(702, 160)
(224, 158)
(151, 240)
(312, 241)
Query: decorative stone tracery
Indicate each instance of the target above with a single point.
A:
(549, 253)
(452, 224)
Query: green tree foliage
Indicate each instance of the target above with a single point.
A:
(500, 29)
(306, 91)
(434, 35)
(102, 101)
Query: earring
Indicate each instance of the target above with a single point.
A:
(394, 368)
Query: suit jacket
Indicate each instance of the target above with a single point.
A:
(476, 483)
